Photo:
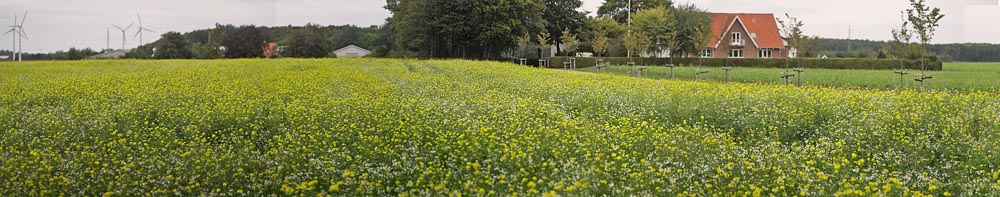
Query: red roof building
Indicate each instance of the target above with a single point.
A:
(741, 35)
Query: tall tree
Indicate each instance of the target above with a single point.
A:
(607, 25)
(470, 29)
(694, 28)
(245, 42)
(924, 20)
(619, 9)
(613, 31)
(657, 24)
(307, 42)
(560, 15)
(172, 45)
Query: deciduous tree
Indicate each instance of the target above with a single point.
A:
(600, 43)
(656, 24)
(569, 39)
(924, 20)
(619, 9)
(245, 42)
(307, 42)
(172, 45)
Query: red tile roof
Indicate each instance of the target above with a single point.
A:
(763, 25)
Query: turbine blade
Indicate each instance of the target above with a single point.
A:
(24, 17)
(24, 34)
(136, 34)
(149, 30)
(119, 28)
(130, 25)
(8, 31)
(140, 18)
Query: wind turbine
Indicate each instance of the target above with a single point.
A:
(13, 29)
(123, 33)
(18, 30)
(141, 29)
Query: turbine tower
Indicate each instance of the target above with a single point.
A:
(123, 33)
(141, 29)
(109, 39)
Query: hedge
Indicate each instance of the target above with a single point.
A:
(868, 64)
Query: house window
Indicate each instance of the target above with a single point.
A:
(736, 37)
(707, 53)
(736, 53)
(764, 53)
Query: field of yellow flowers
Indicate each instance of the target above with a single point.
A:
(452, 127)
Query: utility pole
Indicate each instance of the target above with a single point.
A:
(629, 25)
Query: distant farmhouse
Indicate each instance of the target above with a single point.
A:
(115, 54)
(352, 51)
(746, 36)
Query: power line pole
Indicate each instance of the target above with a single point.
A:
(848, 38)
(629, 25)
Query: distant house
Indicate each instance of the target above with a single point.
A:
(115, 54)
(744, 35)
(269, 49)
(352, 51)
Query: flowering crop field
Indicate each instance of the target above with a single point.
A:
(383, 127)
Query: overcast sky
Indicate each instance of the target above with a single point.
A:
(60, 24)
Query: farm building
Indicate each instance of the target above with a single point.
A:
(115, 54)
(351, 51)
(745, 36)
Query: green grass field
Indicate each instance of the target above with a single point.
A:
(955, 76)
(380, 127)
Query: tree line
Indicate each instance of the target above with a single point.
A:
(965, 52)
(249, 41)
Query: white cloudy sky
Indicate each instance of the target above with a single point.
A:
(60, 24)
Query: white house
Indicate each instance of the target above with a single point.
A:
(351, 51)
